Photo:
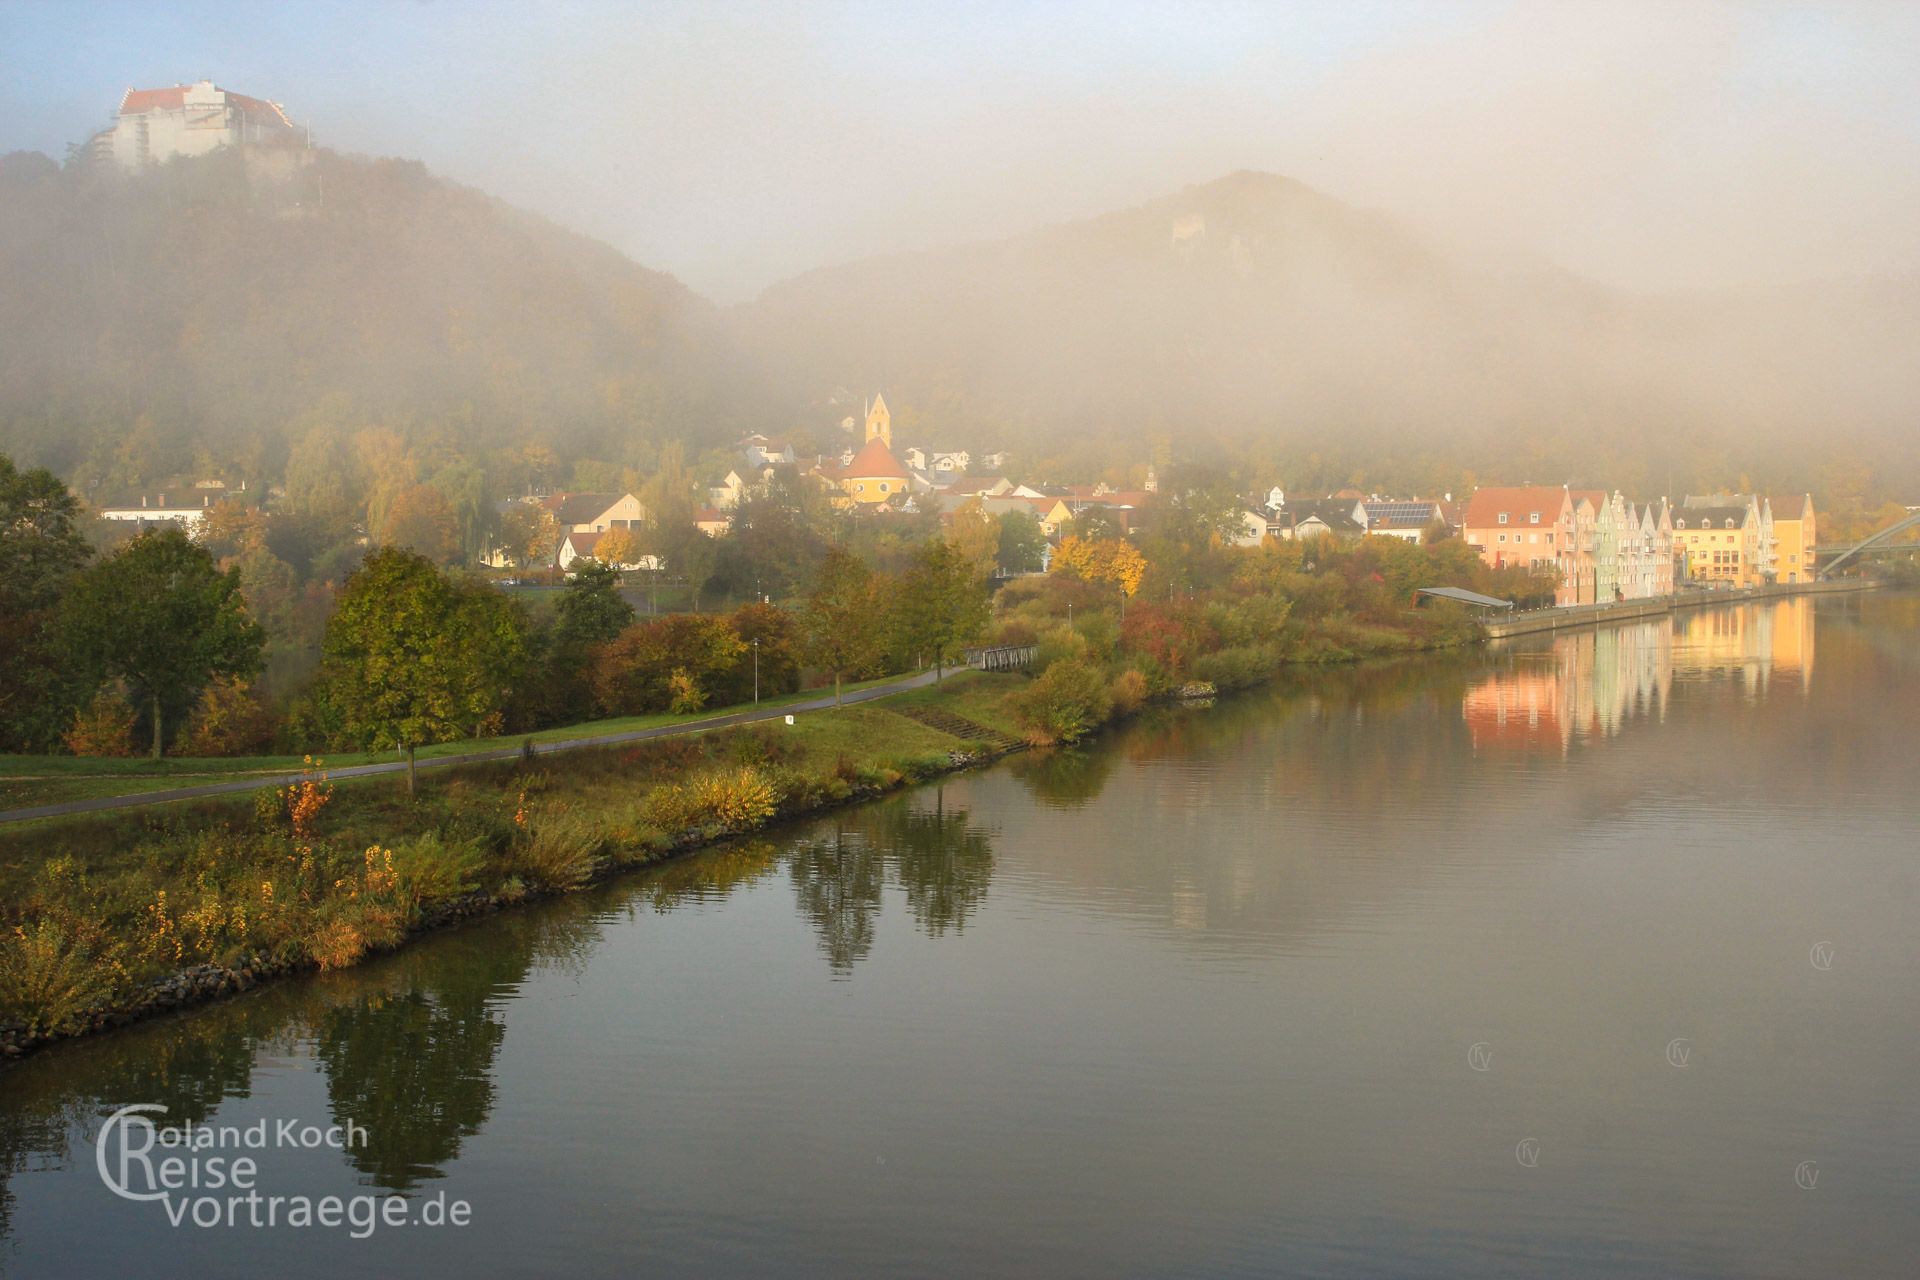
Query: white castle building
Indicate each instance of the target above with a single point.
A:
(152, 126)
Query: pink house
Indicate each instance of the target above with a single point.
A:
(1532, 527)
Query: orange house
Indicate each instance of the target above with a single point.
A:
(1532, 527)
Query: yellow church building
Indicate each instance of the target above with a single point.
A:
(874, 476)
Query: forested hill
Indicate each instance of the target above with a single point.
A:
(200, 316)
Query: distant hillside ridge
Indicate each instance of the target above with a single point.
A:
(218, 306)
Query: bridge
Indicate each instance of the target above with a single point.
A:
(1880, 543)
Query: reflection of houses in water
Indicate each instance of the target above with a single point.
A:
(1587, 684)
(1591, 684)
(1755, 643)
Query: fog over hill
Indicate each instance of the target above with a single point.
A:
(1255, 308)
(221, 305)
(217, 309)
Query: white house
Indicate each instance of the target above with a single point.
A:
(190, 514)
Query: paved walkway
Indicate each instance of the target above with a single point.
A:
(472, 757)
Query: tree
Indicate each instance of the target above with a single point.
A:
(413, 658)
(666, 664)
(1114, 561)
(160, 616)
(590, 613)
(618, 548)
(419, 518)
(842, 622)
(40, 549)
(975, 535)
(942, 603)
(772, 638)
(1022, 544)
(530, 534)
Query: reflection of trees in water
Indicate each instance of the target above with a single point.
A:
(53, 1106)
(1065, 777)
(837, 880)
(412, 1062)
(940, 860)
(708, 876)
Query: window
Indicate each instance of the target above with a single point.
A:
(1729, 522)
(1503, 517)
(1503, 537)
(1533, 517)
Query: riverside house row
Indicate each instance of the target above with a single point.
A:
(1606, 547)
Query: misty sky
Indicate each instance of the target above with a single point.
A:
(1653, 147)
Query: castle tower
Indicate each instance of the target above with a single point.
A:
(880, 422)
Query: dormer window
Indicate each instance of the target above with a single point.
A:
(1503, 517)
(1729, 522)
(1533, 517)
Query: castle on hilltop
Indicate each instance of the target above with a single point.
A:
(152, 126)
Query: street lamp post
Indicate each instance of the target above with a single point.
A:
(756, 671)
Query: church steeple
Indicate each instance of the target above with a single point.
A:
(880, 422)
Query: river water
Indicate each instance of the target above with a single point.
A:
(1586, 955)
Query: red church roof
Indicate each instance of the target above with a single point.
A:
(875, 462)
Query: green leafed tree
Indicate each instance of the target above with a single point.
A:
(40, 549)
(844, 621)
(161, 616)
(941, 605)
(413, 657)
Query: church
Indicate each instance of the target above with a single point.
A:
(874, 476)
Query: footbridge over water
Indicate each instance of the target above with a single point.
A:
(1881, 543)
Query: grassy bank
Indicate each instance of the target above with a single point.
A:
(115, 915)
(99, 908)
(27, 781)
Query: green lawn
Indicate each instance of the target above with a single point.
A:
(26, 781)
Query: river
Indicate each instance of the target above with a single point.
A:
(1591, 954)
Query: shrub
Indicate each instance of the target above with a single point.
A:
(1068, 701)
(432, 869)
(560, 852)
(336, 943)
(230, 720)
(1129, 691)
(1240, 667)
(1059, 644)
(47, 977)
(735, 798)
(104, 727)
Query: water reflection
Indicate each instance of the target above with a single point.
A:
(1589, 685)
(940, 860)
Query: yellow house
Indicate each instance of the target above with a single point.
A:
(1793, 538)
(1722, 544)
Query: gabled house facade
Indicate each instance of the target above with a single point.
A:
(1531, 527)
